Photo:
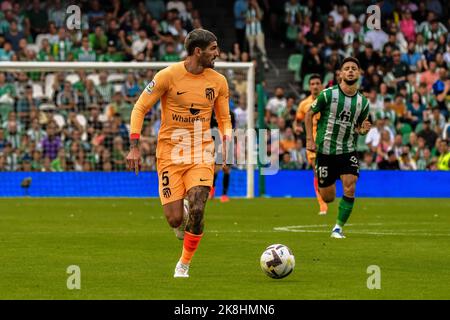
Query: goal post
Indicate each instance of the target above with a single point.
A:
(248, 67)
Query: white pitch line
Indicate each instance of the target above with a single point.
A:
(415, 232)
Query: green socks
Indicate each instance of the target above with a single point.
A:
(345, 209)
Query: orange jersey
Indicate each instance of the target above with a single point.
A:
(303, 107)
(187, 103)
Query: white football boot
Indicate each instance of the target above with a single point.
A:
(179, 232)
(181, 270)
(337, 233)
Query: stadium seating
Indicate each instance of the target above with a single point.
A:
(295, 64)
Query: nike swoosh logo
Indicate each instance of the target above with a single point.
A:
(182, 92)
(203, 179)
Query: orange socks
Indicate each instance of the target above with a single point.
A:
(190, 244)
(323, 205)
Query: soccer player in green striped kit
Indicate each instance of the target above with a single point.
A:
(343, 115)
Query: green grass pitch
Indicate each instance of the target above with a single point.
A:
(126, 250)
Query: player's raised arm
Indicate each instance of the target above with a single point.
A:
(151, 94)
(222, 112)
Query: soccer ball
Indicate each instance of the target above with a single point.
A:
(277, 261)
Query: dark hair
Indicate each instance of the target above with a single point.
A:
(350, 59)
(198, 38)
(315, 76)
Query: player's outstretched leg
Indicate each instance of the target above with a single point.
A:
(322, 204)
(176, 213)
(197, 197)
(345, 205)
(212, 191)
(179, 231)
(226, 184)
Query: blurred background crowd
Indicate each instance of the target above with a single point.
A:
(78, 120)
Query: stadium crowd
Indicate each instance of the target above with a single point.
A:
(77, 121)
(405, 76)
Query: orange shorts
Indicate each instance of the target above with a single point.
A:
(311, 158)
(174, 180)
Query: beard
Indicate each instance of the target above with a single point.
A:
(350, 82)
(205, 62)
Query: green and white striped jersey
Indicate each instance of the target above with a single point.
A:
(339, 115)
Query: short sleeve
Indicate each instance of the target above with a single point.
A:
(320, 103)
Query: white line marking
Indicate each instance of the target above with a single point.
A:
(413, 232)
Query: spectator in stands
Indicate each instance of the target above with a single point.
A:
(239, 9)
(170, 55)
(384, 146)
(430, 76)
(111, 54)
(315, 36)
(277, 104)
(287, 140)
(179, 5)
(427, 134)
(156, 7)
(377, 38)
(98, 41)
(12, 134)
(373, 137)
(14, 35)
(66, 100)
(255, 32)
(444, 156)
(59, 164)
(131, 89)
(45, 53)
(415, 110)
(240, 113)
(399, 69)
(367, 162)
(368, 57)
(412, 58)
(57, 14)
(288, 114)
(391, 163)
(95, 15)
(87, 96)
(437, 121)
(36, 20)
(406, 162)
(104, 89)
(408, 26)
(3, 140)
(375, 105)
(118, 155)
(85, 52)
(298, 154)
(25, 103)
(140, 43)
(287, 163)
(312, 62)
(94, 123)
(7, 53)
(52, 142)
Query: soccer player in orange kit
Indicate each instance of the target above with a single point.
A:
(189, 91)
(315, 86)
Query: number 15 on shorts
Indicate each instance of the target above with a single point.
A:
(322, 172)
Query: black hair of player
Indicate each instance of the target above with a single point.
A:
(315, 76)
(350, 59)
(198, 38)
